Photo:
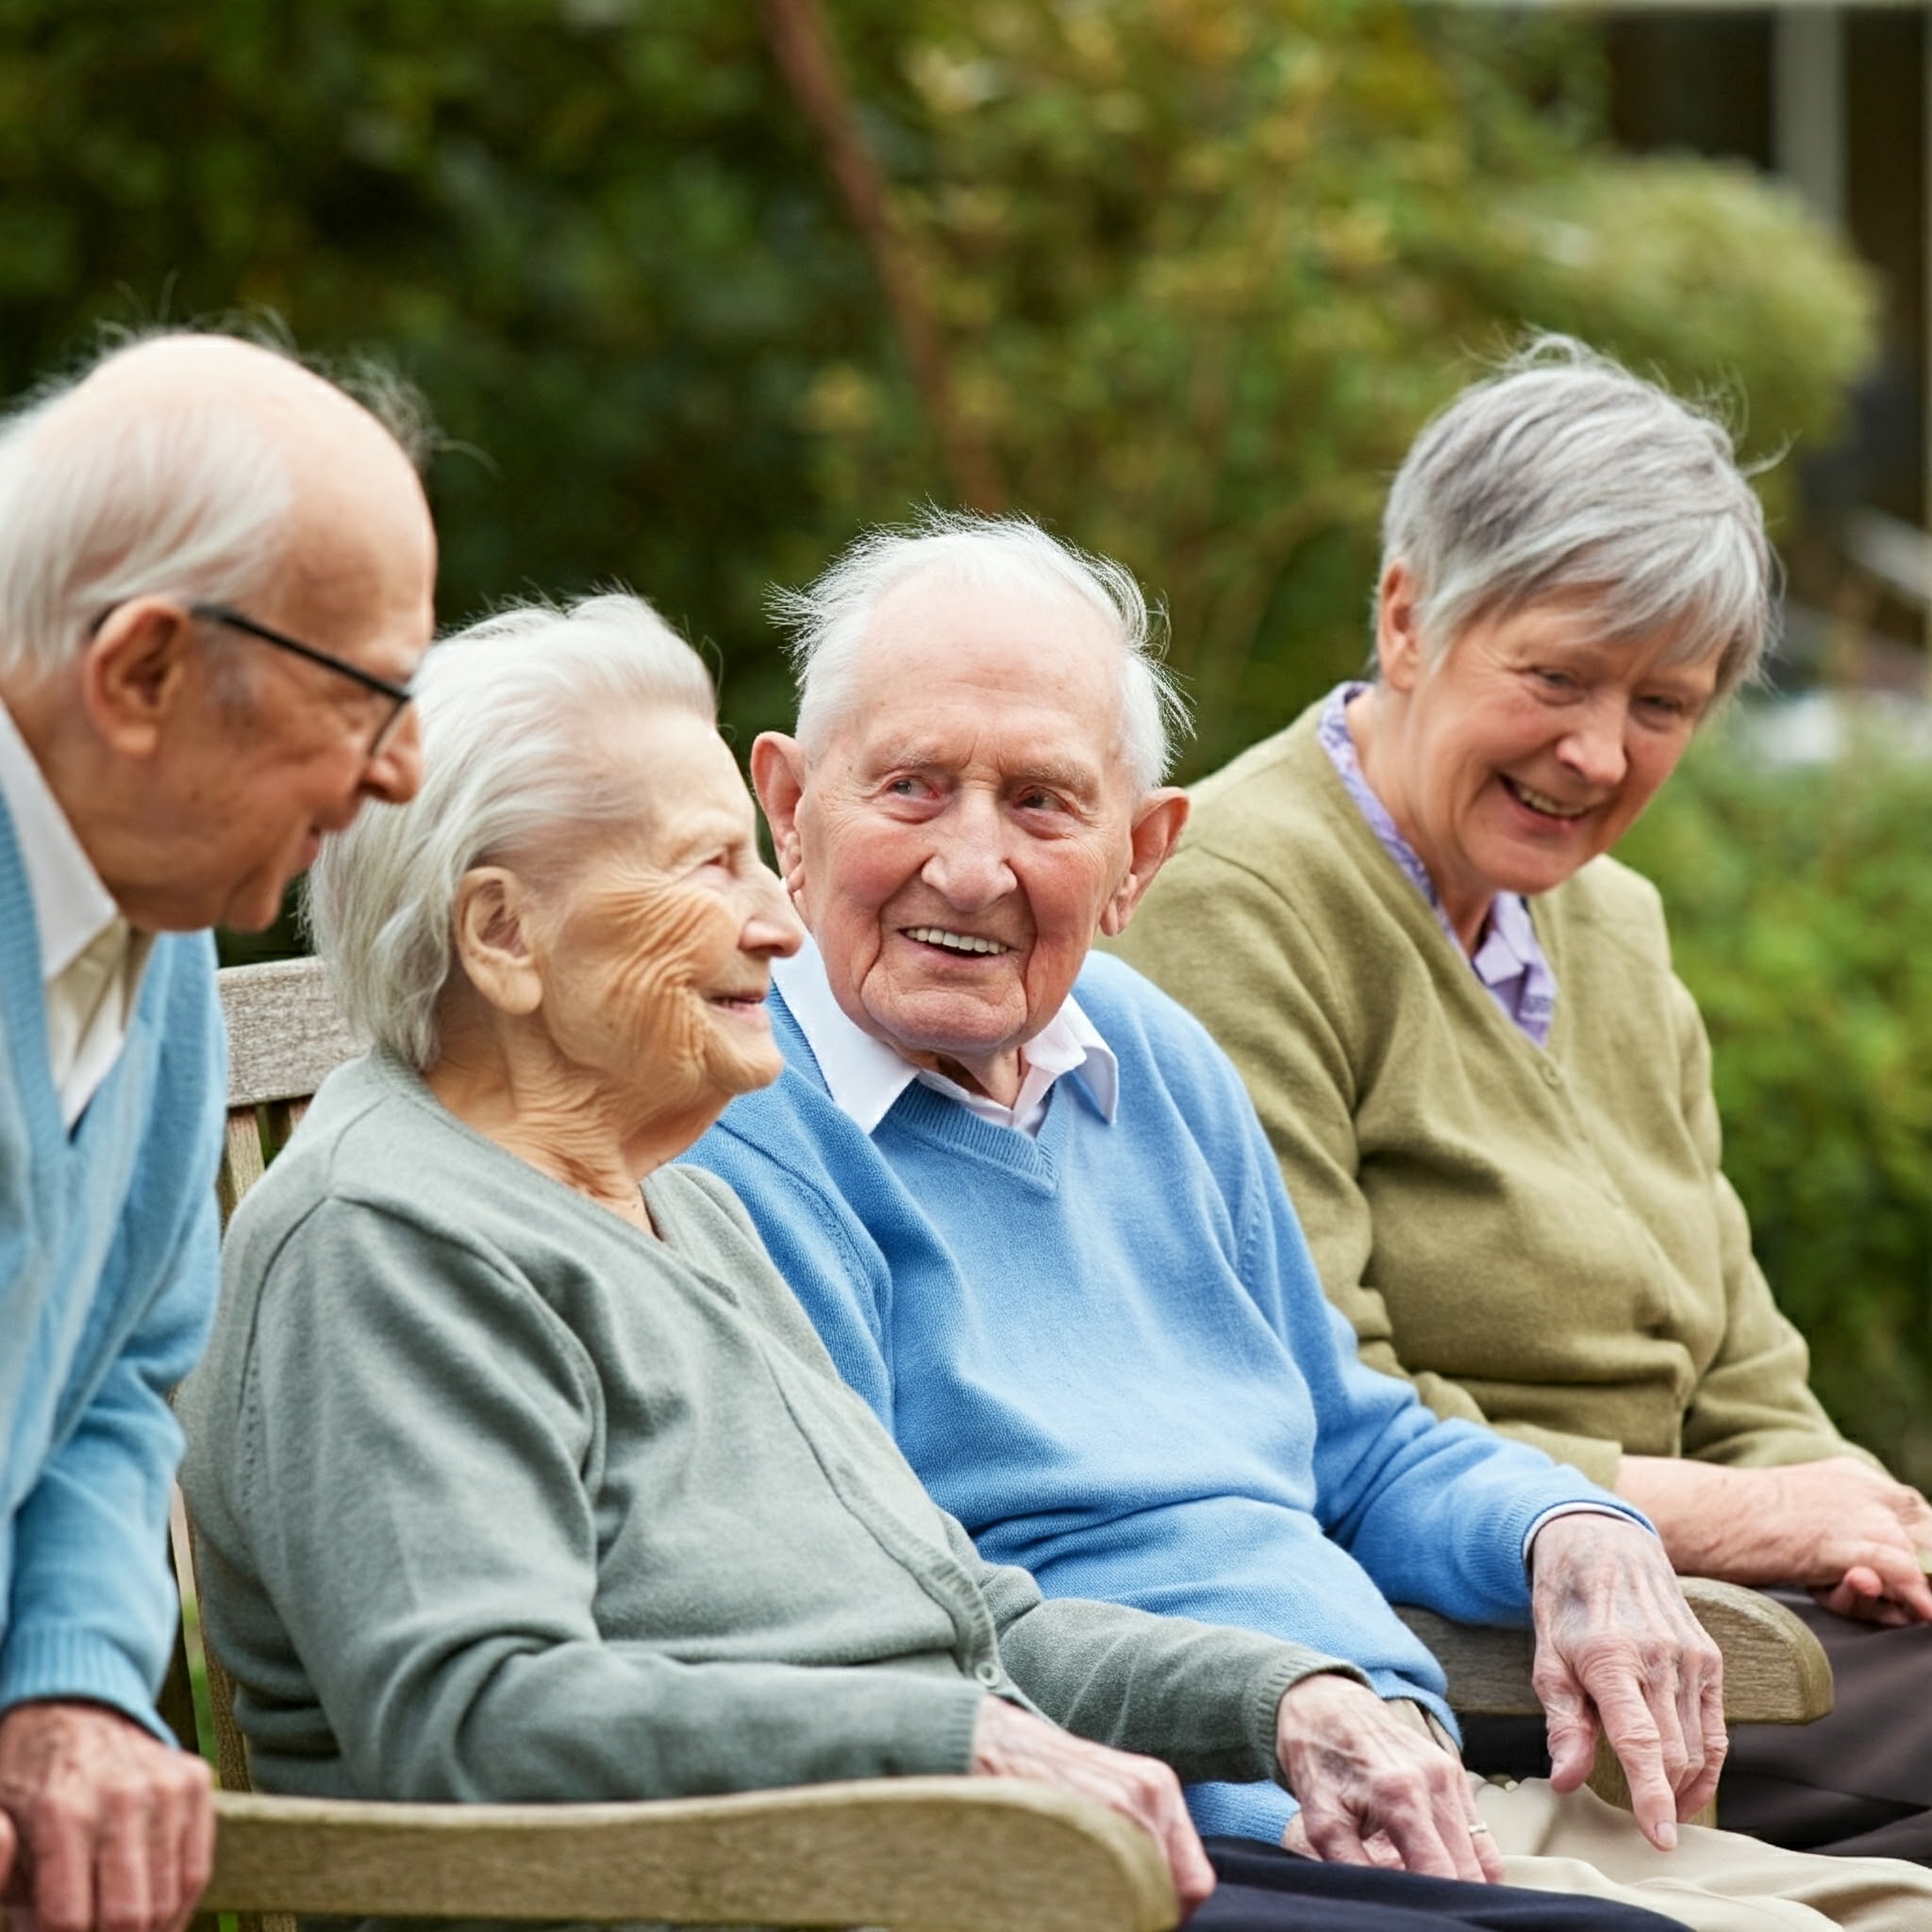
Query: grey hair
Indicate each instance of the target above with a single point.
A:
(832, 618)
(511, 708)
(185, 497)
(1565, 478)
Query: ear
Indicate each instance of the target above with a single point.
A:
(777, 776)
(135, 672)
(1398, 629)
(488, 930)
(1158, 822)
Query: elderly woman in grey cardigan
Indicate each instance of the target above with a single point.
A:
(519, 1473)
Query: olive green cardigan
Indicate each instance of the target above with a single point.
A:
(1539, 1238)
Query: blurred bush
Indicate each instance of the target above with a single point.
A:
(1203, 266)
(1800, 907)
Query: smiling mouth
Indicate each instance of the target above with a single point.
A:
(954, 941)
(740, 1003)
(1542, 804)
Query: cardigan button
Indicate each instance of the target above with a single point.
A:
(988, 1673)
(1553, 1073)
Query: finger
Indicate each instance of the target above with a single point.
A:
(124, 1891)
(6, 1849)
(1716, 1745)
(59, 1846)
(1901, 1580)
(1572, 1731)
(1186, 1861)
(198, 1838)
(1632, 1732)
(165, 1858)
(1334, 1838)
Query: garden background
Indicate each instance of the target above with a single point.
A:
(696, 288)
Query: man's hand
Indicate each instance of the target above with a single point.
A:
(1011, 1742)
(1617, 1647)
(1375, 1788)
(101, 1825)
(1847, 1530)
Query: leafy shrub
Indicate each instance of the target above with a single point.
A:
(1801, 912)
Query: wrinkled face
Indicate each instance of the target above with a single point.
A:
(1528, 746)
(245, 794)
(656, 951)
(958, 841)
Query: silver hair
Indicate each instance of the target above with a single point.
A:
(831, 620)
(186, 497)
(511, 711)
(1565, 478)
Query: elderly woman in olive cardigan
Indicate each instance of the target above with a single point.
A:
(1490, 1095)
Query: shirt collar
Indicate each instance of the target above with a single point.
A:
(865, 1076)
(71, 906)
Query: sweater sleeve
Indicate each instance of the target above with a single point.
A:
(416, 1428)
(93, 1607)
(1754, 1404)
(1199, 1697)
(1233, 947)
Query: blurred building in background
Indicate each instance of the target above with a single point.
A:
(1834, 100)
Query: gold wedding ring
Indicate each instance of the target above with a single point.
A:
(1925, 1561)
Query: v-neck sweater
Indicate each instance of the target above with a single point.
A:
(1106, 1351)
(500, 1498)
(1542, 1239)
(107, 1278)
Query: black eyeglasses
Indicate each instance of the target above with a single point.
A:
(399, 695)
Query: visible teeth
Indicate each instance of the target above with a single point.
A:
(954, 941)
(1539, 801)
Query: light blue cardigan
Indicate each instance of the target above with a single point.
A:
(107, 1278)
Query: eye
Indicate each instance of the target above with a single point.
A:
(1558, 683)
(1665, 707)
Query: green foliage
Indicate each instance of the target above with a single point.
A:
(1206, 265)
(1211, 262)
(1800, 904)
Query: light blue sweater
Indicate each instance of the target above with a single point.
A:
(108, 1276)
(1106, 1351)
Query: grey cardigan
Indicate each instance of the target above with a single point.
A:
(498, 1498)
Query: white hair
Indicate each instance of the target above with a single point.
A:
(515, 714)
(832, 620)
(185, 497)
(1565, 478)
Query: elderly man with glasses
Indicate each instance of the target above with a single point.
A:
(189, 501)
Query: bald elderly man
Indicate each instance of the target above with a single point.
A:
(1029, 1208)
(215, 585)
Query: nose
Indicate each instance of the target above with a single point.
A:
(395, 774)
(772, 929)
(968, 865)
(1593, 748)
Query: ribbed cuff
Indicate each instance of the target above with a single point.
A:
(65, 1664)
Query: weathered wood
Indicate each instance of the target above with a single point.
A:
(926, 1852)
(286, 1030)
(1775, 1671)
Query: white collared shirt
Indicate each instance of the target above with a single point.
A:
(90, 958)
(865, 1076)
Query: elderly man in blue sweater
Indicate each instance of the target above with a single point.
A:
(1027, 1204)
(215, 579)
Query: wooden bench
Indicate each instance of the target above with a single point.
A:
(918, 1852)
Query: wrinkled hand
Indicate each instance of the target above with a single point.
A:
(1839, 1525)
(1375, 1789)
(1617, 1647)
(101, 1825)
(1011, 1742)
